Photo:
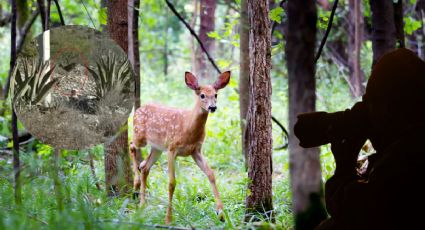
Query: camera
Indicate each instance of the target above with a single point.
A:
(320, 128)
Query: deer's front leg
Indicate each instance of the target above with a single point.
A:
(202, 163)
(136, 158)
(171, 185)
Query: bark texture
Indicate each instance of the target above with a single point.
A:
(259, 127)
(383, 28)
(244, 75)
(356, 77)
(207, 19)
(305, 172)
(133, 46)
(118, 176)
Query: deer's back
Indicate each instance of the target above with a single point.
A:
(158, 125)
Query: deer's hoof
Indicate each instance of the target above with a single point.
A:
(220, 215)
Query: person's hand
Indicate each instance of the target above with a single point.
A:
(346, 152)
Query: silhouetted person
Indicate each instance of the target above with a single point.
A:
(391, 194)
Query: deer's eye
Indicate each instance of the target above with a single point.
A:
(202, 96)
(215, 95)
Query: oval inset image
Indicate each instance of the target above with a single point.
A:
(72, 87)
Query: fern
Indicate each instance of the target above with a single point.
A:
(111, 73)
(31, 81)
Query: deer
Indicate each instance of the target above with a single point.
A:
(178, 132)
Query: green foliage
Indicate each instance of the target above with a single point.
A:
(411, 25)
(276, 14)
(102, 17)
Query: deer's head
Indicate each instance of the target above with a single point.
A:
(207, 94)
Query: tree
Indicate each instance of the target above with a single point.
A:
(356, 77)
(305, 169)
(207, 16)
(244, 74)
(259, 127)
(398, 22)
(383, 28)
(118, 176)
(133, 46)
(16, 160)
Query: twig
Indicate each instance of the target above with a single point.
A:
(284, 134)
(59, 12)
(172, 8)
(24, 31)
(328, 29)
(85, 8)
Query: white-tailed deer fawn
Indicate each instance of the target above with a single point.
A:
(178, 132)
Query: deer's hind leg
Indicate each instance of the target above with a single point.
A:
(145, 167)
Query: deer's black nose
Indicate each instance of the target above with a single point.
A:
(212, 108)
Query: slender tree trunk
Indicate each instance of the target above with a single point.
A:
(398, 22)
(244, 75)
(305, 170)
(133, 46)
(42, 10)
(134, 57)
(259, 127)
(15, 136)
(118, 176)
(383, 28)
(207, 13)
(356, 77)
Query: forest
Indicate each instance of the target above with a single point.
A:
(73, 157)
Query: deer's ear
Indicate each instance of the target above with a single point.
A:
(222, 80)
(191, 81)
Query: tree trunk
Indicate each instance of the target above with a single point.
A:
(207, 15)
(133, 46)
(259, 127)
(398, 22)
(16, 159)
(383, 28)
(244, 75)
(42, 9)
(304, 163)
(118, 176)
(356, 77)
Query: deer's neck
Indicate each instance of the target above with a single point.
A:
(198, 119)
